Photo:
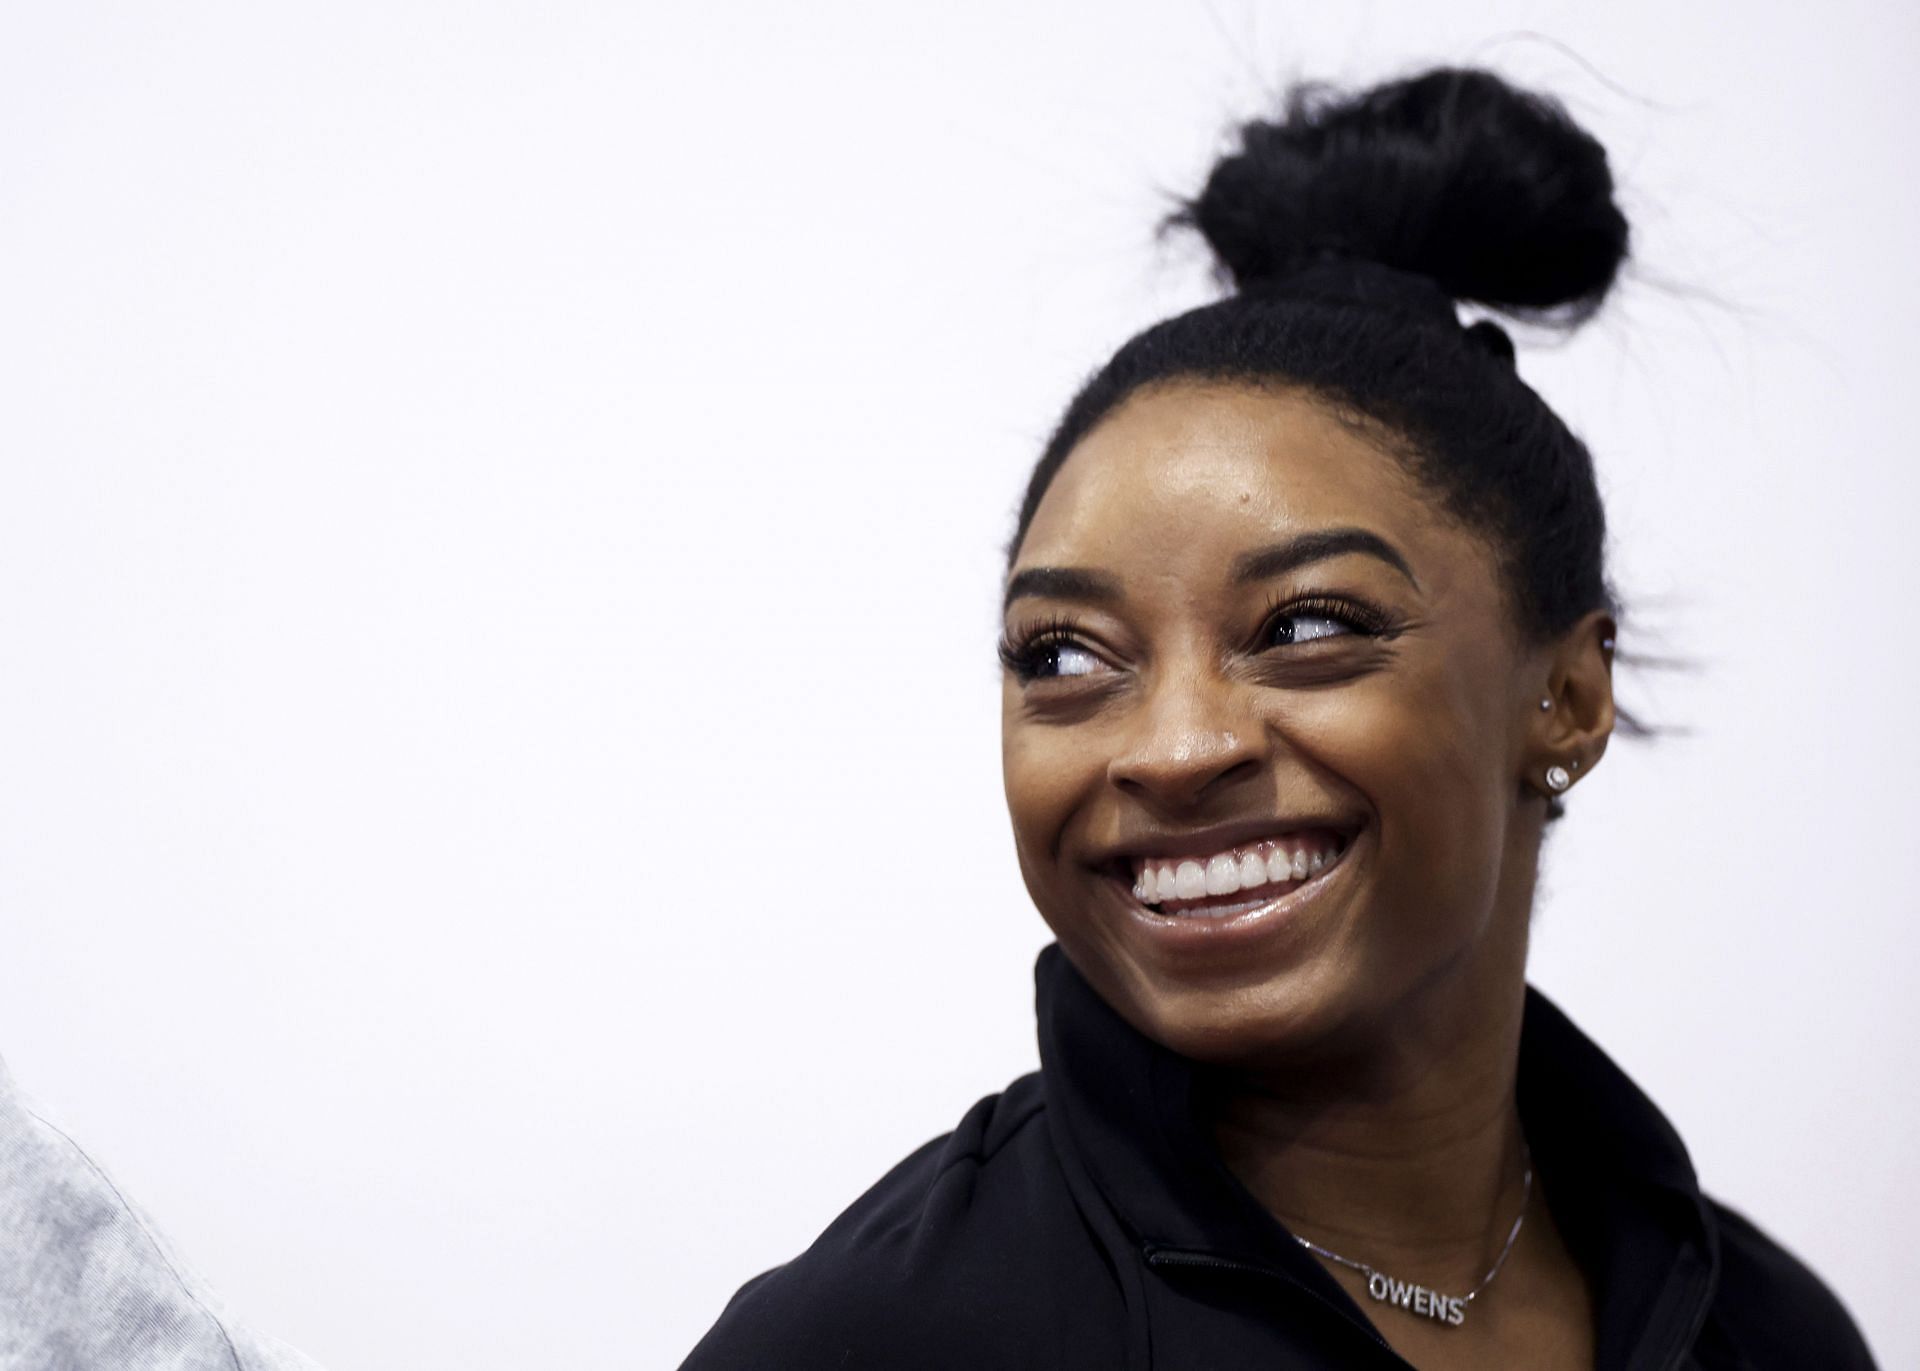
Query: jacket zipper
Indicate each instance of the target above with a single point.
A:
(1679, 1361)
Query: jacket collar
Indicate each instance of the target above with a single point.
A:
(1129, 1111)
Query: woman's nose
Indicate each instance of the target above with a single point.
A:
(1189, 744)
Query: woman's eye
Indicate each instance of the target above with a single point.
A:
(1305, 628)
(1063, 659)
(1050, 655)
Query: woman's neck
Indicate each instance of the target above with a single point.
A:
(1413, 1165)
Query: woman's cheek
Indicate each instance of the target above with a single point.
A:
(1041, 786)
(1409, 754)
(1441, 811)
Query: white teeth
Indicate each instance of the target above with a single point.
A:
(1226, 873)
(1189, 881)
(1223, 876)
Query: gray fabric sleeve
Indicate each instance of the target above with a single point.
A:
(88, 1283)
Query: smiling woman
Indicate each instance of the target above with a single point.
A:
(1307, 633)
(1234, 703)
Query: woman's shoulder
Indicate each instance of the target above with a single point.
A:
(1772, 1309)
(953, 1258)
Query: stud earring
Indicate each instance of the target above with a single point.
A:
(1546, 705)
(1558, 779)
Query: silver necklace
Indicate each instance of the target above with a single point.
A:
(1419, 1299)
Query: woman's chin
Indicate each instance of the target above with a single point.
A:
(1267, 1023)
(1240, 1021)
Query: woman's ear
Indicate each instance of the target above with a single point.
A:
(1574, 718)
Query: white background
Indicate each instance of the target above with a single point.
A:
(500, 510)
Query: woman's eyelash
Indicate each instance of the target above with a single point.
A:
(1019, 652)
(1363, 618)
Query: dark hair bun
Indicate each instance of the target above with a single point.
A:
(1492, 193)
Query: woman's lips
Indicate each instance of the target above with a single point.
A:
(1232, 879)
(1220, 933)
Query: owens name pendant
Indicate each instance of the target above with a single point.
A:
(1419, 1299)
(1448, 1309)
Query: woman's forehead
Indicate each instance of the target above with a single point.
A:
(1201, 472)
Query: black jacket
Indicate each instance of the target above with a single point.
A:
(1082, 1219)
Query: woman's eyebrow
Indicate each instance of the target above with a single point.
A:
(1316, 547)
(1097, 587)
(1063, 583)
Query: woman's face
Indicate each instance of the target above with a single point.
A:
(1268, 730)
